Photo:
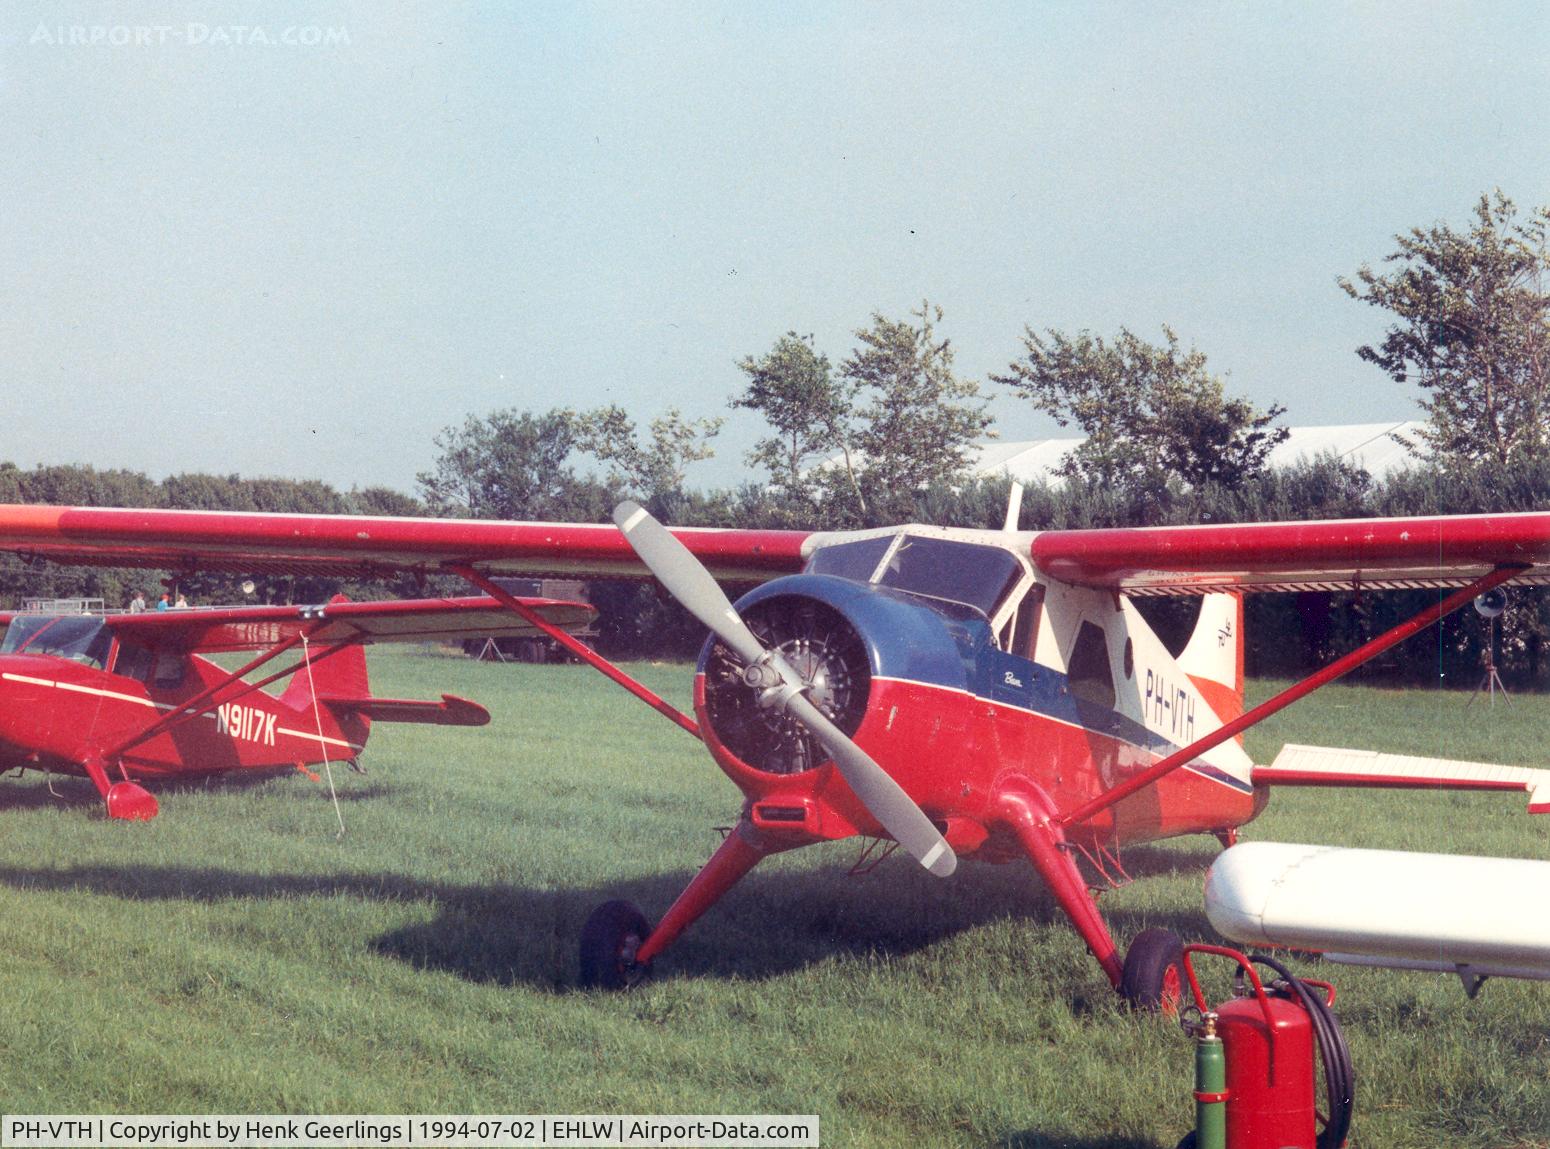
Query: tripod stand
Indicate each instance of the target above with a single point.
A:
(1490, 680)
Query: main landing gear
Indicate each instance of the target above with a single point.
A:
(610, 941)
(618, 944)
(1153, 979)
(125, 800)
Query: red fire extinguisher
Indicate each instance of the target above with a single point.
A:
(1256, 1056)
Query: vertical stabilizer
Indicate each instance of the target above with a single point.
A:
(336, 672)
(1213, 659)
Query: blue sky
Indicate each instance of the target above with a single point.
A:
(304, 259)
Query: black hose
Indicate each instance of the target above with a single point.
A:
(1339, 1076)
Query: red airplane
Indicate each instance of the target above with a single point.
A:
(975, 693)
(129, 695)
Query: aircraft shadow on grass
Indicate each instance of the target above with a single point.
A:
(771, 924)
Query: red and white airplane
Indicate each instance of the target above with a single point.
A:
(120, 697)
(964, 693)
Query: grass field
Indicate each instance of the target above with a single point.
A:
(236, 956)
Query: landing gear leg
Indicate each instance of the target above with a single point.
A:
(1045, 844)
(125, 800)
(625, 958)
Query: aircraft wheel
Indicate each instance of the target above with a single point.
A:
(1188, 1142)
(1153, 978)
(609, 941)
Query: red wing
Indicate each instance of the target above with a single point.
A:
(1330, 555)
(364, 547)
(415, 620)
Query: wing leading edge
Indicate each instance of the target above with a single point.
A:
(412, 620)
(361, 546)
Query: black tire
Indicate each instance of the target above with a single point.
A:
(609, 941)
(1153, 979)
(1188, 1141)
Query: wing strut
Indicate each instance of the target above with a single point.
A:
(1291, 694)
(580, 649)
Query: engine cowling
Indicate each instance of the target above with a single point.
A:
(822, 646)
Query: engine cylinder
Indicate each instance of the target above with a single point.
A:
(822, 646)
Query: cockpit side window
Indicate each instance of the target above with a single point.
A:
(167, 671)
(1088, 672)
(1024, 628)
(134, 662)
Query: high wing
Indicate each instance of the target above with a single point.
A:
(1344, 554)
(221, 629)
(364, 547)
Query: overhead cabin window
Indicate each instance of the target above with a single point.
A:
(1089, 674)
(855, 560)
(979, 576)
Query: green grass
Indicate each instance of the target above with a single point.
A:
(236, 956)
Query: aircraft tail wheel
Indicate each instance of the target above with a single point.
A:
(609, 941)
(1153, 978)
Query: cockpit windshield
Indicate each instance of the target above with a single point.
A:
(943, 569)
(855, 560)
(959, 572)
(79, 638)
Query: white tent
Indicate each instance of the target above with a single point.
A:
(1376, 447)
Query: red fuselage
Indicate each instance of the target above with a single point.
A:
(56, 714)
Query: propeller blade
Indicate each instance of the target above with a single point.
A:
(686, 579)
(878, 792)
(690, 583)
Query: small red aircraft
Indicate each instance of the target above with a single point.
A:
(975, 693)
(129, 695)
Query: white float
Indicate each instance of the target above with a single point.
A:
(1479, 917)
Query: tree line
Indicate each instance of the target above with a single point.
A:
(884, 437)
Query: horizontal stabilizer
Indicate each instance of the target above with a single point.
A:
(1326, 766)
(450, 711)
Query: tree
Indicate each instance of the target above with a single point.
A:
(793, 387)
(653, 468)
(1473, 329)
(384, 501)
(510, 465)
(920, 418)
(1148, 411)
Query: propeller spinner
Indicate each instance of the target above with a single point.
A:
(781, 686)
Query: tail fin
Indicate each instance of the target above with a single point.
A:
(1213, 659)
(331, 672)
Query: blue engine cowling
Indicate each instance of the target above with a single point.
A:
(839, 635)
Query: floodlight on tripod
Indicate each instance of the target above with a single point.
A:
(1490, 606)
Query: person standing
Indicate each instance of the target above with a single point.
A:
(137, 604)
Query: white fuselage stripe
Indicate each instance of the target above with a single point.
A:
(305, 735)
